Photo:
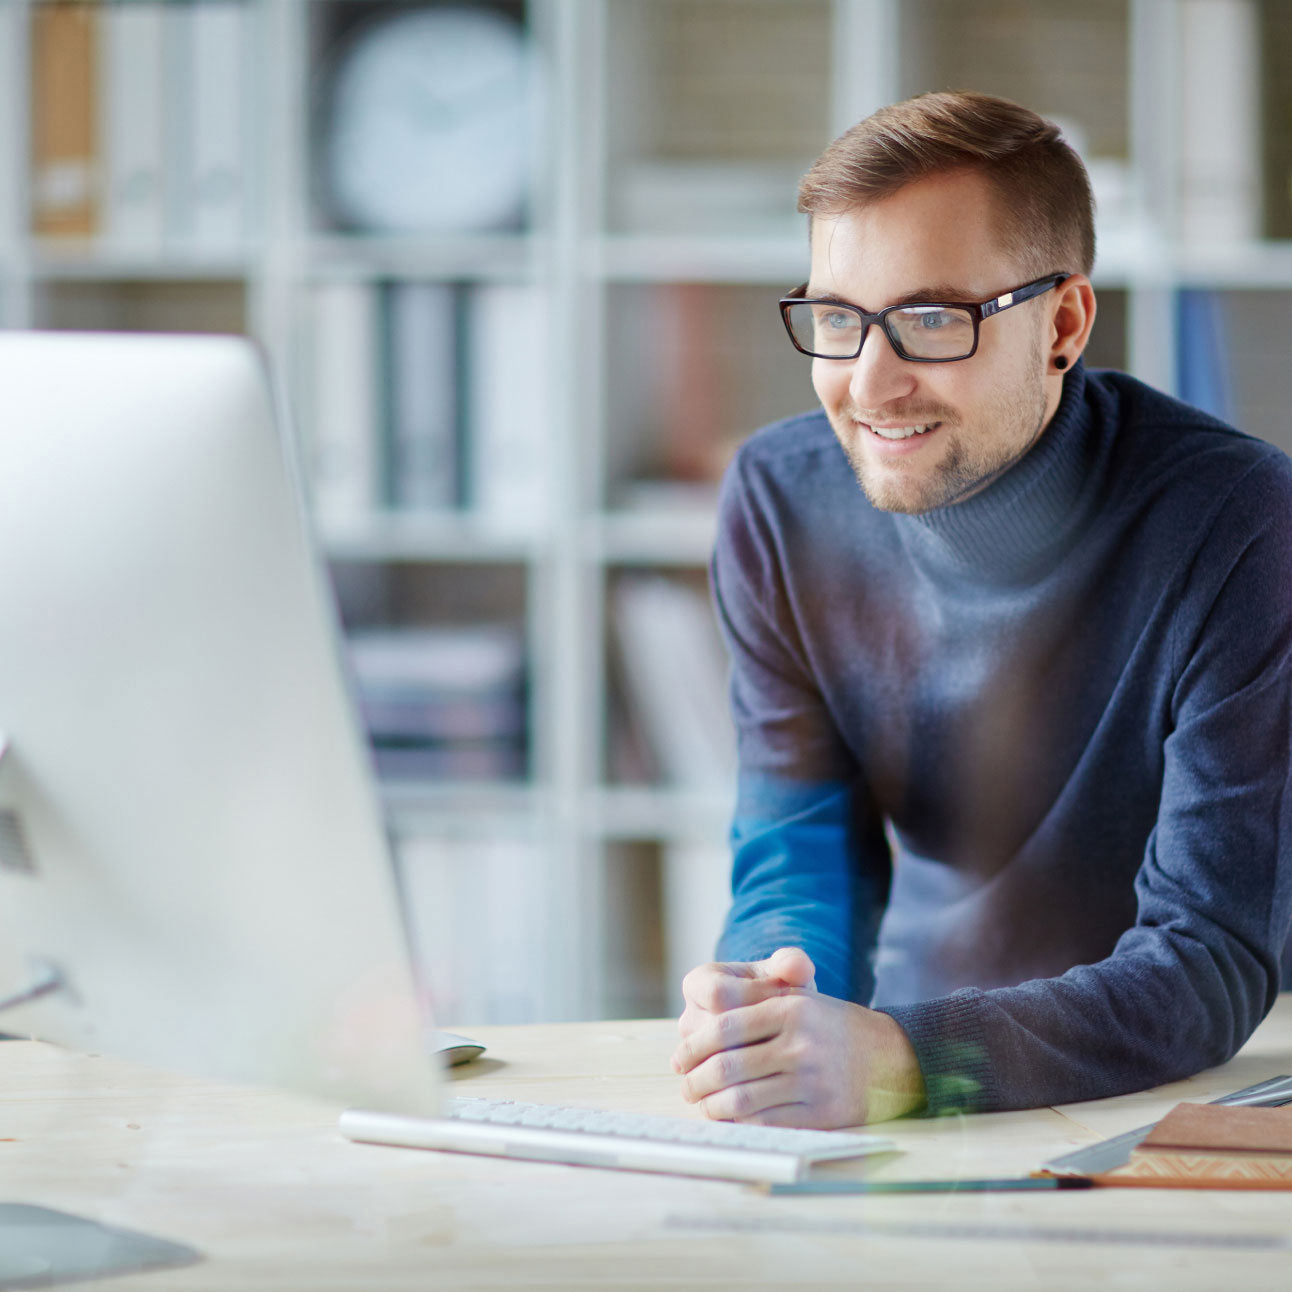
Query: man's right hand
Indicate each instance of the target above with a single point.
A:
(761, 1044)
(716, 988)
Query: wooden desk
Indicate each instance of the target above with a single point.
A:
(263, 1185)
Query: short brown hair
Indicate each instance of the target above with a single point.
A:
(1043, 191)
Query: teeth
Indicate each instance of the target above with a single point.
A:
(901, 432)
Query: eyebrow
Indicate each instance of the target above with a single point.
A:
(934, 294)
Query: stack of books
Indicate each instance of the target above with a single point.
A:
(443, 703)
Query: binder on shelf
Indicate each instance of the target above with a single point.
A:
(696, 883)
(1275, 44)
(1220, 130)
(1202, 364)
(676, 673)
(131, 110)
(419, 347)
(344, 450)
(477, 912)
(208, 91)
(508, 394)
(64, 135)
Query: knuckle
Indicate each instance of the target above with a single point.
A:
(694, 1086)
(707, 987)
(741, 1102)
(722, 995)
(723, 1068)
(793, 1010)
(725, 1027)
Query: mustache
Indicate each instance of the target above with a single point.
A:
(898, 417)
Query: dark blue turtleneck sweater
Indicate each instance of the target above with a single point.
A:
(1016, 771)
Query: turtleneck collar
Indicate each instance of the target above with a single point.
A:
(1020, 523)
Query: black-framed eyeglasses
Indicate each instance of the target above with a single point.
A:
(932, 332)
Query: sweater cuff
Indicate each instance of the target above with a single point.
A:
(948, 1040)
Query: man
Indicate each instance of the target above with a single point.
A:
(1014, 823)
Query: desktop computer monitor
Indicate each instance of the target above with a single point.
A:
(192, 856)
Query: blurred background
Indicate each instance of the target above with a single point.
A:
(515, 264)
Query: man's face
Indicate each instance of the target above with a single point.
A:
(935, 238)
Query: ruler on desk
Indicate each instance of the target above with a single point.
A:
(990, 1232)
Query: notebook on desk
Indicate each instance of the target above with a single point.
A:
(1210, 1146)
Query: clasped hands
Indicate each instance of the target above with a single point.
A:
(761, 1045)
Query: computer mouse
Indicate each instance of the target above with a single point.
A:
(455, 1049)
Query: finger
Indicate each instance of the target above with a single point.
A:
(695, 1016)
(715, 992)
(693, 1019)
(793, 966)
(750, 1100)
(699, 986)
(733, 1030)
(799, 1115)
(731, 1067)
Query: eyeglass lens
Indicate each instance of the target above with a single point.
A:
(921, 331)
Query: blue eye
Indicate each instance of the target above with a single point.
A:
(932, 320)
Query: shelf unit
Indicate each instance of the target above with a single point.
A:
(611, 266)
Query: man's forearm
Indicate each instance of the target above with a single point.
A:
(800, 877)
(1136, 1020)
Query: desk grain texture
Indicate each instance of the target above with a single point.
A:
(265, 1187)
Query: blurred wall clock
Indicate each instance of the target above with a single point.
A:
(429, 123)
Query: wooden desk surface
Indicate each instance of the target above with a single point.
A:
(264, 1186)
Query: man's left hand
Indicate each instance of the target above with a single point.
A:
(800, 1060)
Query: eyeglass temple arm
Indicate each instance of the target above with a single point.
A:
(1019, 295)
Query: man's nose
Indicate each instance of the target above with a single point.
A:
(878, 374)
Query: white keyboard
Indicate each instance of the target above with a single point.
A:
(624, 1141)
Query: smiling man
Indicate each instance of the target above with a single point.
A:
(1014, 823)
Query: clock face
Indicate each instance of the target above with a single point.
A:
(430, 123)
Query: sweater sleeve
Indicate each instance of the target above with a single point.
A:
(810, 860)
(1187, 984)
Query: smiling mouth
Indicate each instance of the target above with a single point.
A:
(902, 432)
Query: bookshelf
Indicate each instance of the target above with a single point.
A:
(634, 285)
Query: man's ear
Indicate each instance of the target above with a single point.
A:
(1071, 318)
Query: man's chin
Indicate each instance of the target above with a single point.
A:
(889, 491)
(890, 500)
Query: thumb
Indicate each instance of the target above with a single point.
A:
(792, 965)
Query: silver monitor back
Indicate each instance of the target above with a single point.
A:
(189, 832)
